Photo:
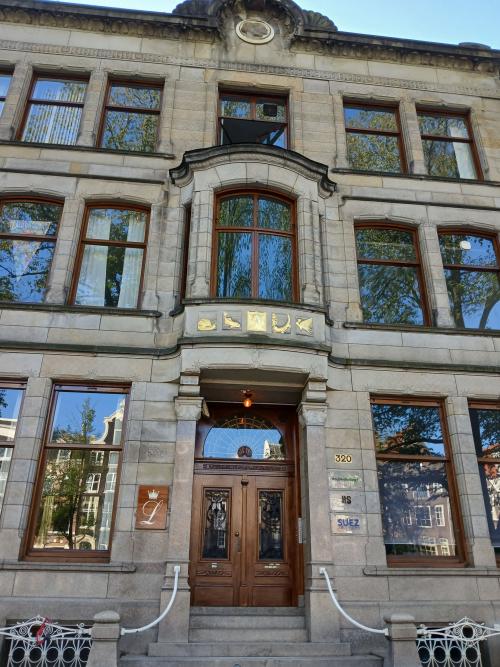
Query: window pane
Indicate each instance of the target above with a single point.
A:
(135, 96)
(275, 267)
(4, 84)
(29, 218)
(5, 457)
(235, 108)
(88, 417)
(109, 276)
(70, 516)
(270, 110)
(274, 214)
(271, 525)
(116, 225)
(10, 402)
(52, 124)
(24, 269)
(467, 250)
(370, 119)
(130, 131)
(236, 212)
(373, 152)
(407, 429)
(234, 252)
(216, 520)
(377, 243)
(59, 91)
(486, 429)
(244, 437)
(490, 481)
(474, 298)
(443, 126)
(409, 494)
(390, 294)
(449, 159)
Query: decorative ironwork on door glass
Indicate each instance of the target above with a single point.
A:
(216, 521)
(271, 525)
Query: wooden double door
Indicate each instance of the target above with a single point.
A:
(244, 538)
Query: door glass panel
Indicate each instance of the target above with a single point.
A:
(271, 525)
(216, 523)
(242, 437)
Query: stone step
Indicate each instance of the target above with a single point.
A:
(249, 649)
(262, 634)
(278, 661)
(245, 622)
(247, 611)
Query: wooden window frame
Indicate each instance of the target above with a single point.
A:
(254, 230)
(30, 101)
(376, 106)
(485, 405)
(12, 384)
(252, 97)
(83, 241)
(446, 231)
(465, 116)
(129, 83)
(66, 555)
(459, 560)
(417, 264)
(32, 237)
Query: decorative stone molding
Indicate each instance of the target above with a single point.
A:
(188, 408)
(204, 158)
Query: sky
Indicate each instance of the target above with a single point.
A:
(449, 21)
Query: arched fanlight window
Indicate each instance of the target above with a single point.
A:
(244, 437)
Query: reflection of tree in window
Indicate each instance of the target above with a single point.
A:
(447, 145)
(373, 139)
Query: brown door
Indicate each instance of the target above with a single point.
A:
(244, 549)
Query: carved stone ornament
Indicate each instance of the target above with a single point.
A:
(255, 31)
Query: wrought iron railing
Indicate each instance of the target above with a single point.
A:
(39, 642)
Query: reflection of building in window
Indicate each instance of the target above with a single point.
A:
(445, 546)
(423, 516)
(254, 119)
(439, 515)
(92, 484)
(428, 546)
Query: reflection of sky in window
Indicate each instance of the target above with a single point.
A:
(10, 401)
(406, 426)
(68, 413)
(224, 442)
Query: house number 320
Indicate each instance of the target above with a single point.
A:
(343, 458)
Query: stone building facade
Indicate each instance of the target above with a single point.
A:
(362, 174)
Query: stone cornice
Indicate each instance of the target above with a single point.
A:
(278, 70)
(203, 158)
(314, 36)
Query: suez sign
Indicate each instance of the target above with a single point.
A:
(346, 494)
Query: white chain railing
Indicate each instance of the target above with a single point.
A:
(39, 642)
(130, 631)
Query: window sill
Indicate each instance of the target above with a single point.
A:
(62, 308)
(256, 302)
(415, 177)
(61, 566)
(438, 570)
(417, 328)
(86, 149)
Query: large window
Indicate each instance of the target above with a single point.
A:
(254, 247)
(75, 497)
(11, 395)
(131, 117)
(472, 273)
(27, 240)
(390, 277)
(111, 258)
(448, 147)
(374, 138)
(415, 480)
(5, 80)
(485, 419)
(54, 110)
(254, 119)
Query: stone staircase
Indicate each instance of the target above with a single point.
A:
(249, 637)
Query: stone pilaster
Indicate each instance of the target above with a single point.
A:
(341, 159)
(411, 137)
(175, 627)
(13, 108)
(434, 276)
(94, 100)
(198, 278)
(322, 618)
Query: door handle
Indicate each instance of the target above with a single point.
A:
(238, 541)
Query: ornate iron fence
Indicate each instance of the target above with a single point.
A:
(43, 643)
(455, 645)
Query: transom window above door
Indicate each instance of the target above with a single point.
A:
(253, 119)
(244, 437)
(254, 247)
